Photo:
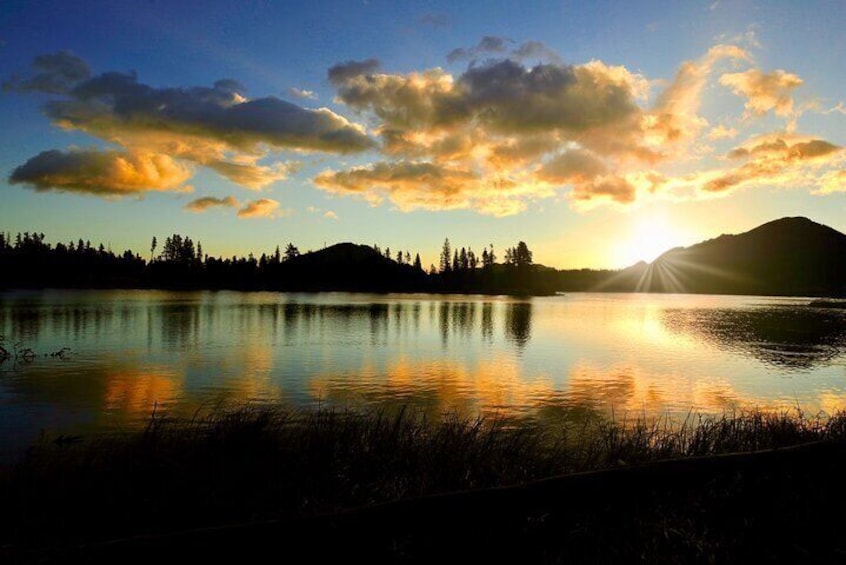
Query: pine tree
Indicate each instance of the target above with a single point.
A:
(446, 256)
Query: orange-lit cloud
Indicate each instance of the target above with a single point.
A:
(502, 134)
(262, 208)
(764, 91)
(422, 185)
(494, 138)
(777, 160)
(102, 173)
(216, 127)
(722, 132)
(207, 202)
(480, 140)
(252, 176)
(676, 117)
(833, 181)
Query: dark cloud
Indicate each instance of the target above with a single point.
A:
(112, 105)
(572, 166)
(490, 44)
(230, 85)
(535, 50)
(101, 173)
(56, 73)
(342, 72)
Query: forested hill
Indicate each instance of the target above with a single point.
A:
(28, 261)
(790, 256)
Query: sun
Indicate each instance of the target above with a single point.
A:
(648, 236)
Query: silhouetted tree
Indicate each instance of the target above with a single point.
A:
(417, 264)
(522, 256)
(291, 252)
(446, 257)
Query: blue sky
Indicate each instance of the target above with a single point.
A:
(599, 133)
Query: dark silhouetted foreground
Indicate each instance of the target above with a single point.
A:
(330, 487)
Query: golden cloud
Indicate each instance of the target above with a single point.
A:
(778, 160)
(675, 117)
(833, 181)
(216, 127)
(102, 173)
(207, 202)
(764, 91)
(262, 208)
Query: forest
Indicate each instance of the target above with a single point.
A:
(27, 260)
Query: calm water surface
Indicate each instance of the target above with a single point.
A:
(540, 358)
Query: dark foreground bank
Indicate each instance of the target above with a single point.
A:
(328, 487)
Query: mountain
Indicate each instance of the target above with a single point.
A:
(347, 267)
(790, 256)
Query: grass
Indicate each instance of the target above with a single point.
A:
(262, 463)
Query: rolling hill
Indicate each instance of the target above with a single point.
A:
(788, 256)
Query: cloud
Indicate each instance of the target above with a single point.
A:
(503, 133)
(262, 208)
(833, 181)
(535, 50)
(428, 186)
(329, 214)
(216, 127)
(675, 117)
(722, 132)
(252, 176)
(488, 45)
(778, 160)
(499, 124)
(764, 91)
(206, 202)
(343, 72)
(56, 73)
(302, 94)
(572, 167)
(116, 107)
(102, 173)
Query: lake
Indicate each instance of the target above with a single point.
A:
(615, 355)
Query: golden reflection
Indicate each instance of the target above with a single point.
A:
(494, 386)
(136, 391)
(630, 389)
(255, 380)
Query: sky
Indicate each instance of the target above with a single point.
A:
(600, 133)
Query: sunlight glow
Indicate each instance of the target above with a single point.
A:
(650, 235)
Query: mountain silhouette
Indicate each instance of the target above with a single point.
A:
(347, 267)
(790, 256)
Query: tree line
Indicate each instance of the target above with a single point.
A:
(27, 260)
